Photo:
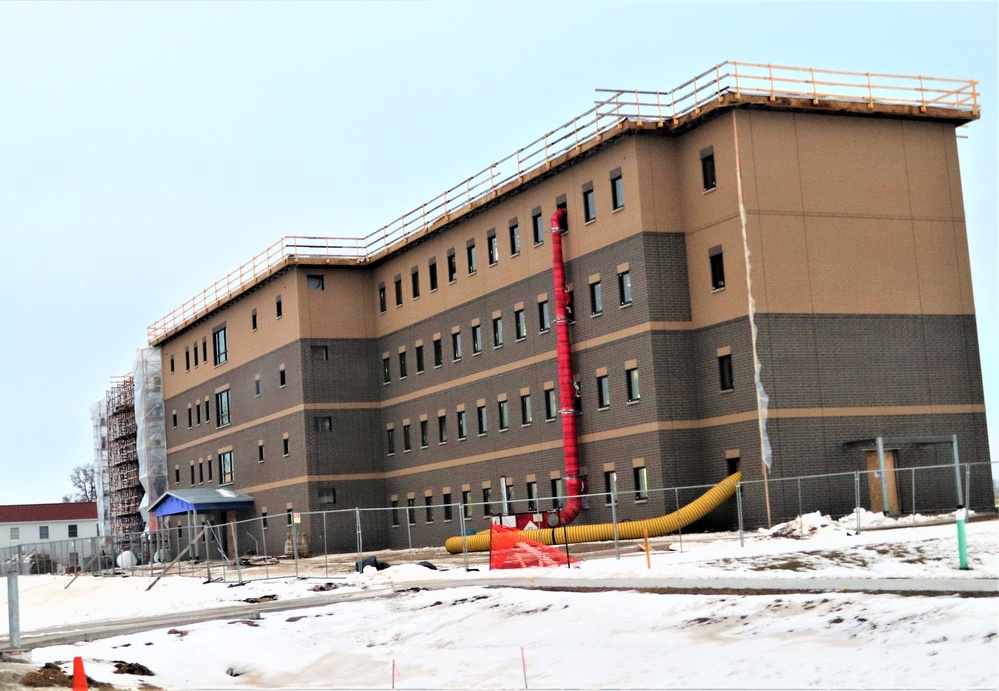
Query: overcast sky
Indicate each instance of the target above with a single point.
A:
(148, 149)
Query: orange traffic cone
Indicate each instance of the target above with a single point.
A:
(79, 676)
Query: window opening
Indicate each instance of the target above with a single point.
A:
(222, 408)
(725, 373)
(596, 298)
(708, 168)
(624, 287)
(316, 282)
(617, 193)
(631, 379)
(603, 392)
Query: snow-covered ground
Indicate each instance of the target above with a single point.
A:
(483, 638)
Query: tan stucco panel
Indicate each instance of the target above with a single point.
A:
(707, 306)
(780, 267)
(342, 309)
(244, 344)
(861, 266)
(769, 161)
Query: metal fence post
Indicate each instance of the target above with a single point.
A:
(235, 550)
(326, 549)
(967, 486)
(464, 538)
(360, 533)
(801, 523)
(294, 541)
(856, 496)
(738, 509)
(613, 498)
(13, 609)
(679, 530)
(409, 528)
(208, 550)
(913, 471)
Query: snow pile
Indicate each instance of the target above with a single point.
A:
(806, 525)
(871, 519)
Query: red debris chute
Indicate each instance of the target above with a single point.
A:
(566, 385)
(508, 549)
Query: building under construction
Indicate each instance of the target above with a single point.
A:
(758, 271)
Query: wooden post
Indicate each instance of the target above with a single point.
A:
(648, 554)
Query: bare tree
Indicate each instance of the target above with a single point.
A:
(82, 478)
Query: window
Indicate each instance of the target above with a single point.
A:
(190, 418)
(603, 392)
(390, 440)
(452, 267)
(610, 486)
(537, 226)
(174, 416)
(327, 495)
(557, 493)
(204, 350)
(43, 532)
(462, 425)
(171, 365)
(476, 339)
(73, 530)
(195, 354)
(617, 191)
(551, 406)
(176, 474)
(589, 204)
(15, 533)
(407, 444)
(514, 238)
(717, 268)
(263, 520)
(466, 501)
(624, 287)
(456, 345)
(521, 323)
(526, 416)
(222, 408)
(480, 417)
(208, 463)
(201, 472)
(725, 372)
(544, 318)
(316, 282)
(277, 307)
(504, 416)
(398, 291)
(260, 451)
(382, 302)
(256, 386)
(282, 378)
(419, 359)
(395, 512)
(428, 502)
(207, 412)
(631, 380)
(506, 492)
(197, 414)
(415, 278)
(411, 510)
(285, 446)
(424, 434)
(442, 429)
(253, 320)
(386, 370)
(403, 372)
(641, 476)
(470, 255)
(492, 249)
(497, 332)
(225, 468)
(448, 509)
(433, 275)
(187, 359)
(596, 298)
(320, 352)
(708, 168)
(324, 423)
(438, 353)
(487, 496)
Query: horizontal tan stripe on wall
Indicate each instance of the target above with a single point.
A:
(955, 409)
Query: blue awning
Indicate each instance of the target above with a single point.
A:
(181, 501)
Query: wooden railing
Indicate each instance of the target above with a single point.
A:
(728, 79)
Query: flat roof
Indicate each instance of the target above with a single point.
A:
(725, 86)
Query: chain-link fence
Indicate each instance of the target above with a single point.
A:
(328, 544)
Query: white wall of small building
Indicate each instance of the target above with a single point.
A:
(58, 530)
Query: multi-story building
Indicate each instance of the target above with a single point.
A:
(750, 217)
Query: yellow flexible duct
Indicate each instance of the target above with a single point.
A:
(629, 530)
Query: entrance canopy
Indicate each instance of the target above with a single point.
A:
(180, 501)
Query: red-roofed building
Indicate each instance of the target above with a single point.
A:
(34, 523)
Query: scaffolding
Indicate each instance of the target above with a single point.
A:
(124, 490)
(150, 426)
